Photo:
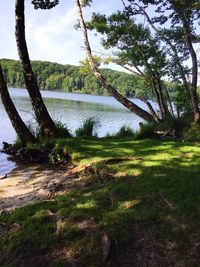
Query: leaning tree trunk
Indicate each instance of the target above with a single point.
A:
(158, 96)
(171, 45)
(156, 86)
(46, 124)
(165, 110)
(19, 126)
(193, 85)
(123, 100)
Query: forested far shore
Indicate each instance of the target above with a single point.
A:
(69, 78)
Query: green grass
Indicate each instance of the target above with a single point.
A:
(157, 196)
(124, 132)
(87, 128)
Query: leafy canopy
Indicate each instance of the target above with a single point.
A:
(45, 4)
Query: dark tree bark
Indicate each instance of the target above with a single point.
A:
(123, 100)
(19, 126)
(46, 124)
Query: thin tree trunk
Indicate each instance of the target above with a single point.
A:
(173, 48)
(124, 101)
(141, 75)
(156, 85)
(19, 126)
(166, 111)
(43, 118)
(169, 99)
(151, 109)
(157, 89)
(193, 85)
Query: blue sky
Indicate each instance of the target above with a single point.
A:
(50, 34)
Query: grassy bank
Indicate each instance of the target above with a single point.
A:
(147, 208)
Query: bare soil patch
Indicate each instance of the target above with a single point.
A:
(29, 183)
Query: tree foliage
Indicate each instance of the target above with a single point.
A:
(68, 78)
(45, 4)
(158, 44)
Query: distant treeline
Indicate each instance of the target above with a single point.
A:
(68, 78)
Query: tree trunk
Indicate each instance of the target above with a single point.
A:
(156, 85)
(157, 89)
(19, 126)
(193, 85)
(169, 42)
(46, 124)
(151, 109)
(168, 98)
(123, 100)
(165, 110)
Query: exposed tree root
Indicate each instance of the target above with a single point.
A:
(84, 167)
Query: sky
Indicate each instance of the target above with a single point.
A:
(50, 34)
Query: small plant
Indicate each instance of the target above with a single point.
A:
(59, 154)
(88, 128)
(147, 130)
(124, 131)
(18, 142)
(63, 131)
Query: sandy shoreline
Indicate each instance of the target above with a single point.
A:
(30, 183)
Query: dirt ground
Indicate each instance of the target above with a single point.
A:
(30, 183)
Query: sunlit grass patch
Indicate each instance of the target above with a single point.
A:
(155, 194)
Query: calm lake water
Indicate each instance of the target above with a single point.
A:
(71, 109)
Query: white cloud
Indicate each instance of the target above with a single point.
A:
(52, 39)
(50, 35)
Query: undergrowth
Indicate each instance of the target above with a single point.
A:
(88, 128)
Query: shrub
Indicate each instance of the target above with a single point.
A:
(193, 133)
(63, 131)
(147, 130)
(124, 131)
(173, 126)
(88, 128)
(59, 153)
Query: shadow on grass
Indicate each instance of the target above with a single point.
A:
(156, 197)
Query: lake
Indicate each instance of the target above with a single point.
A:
(71, 109)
